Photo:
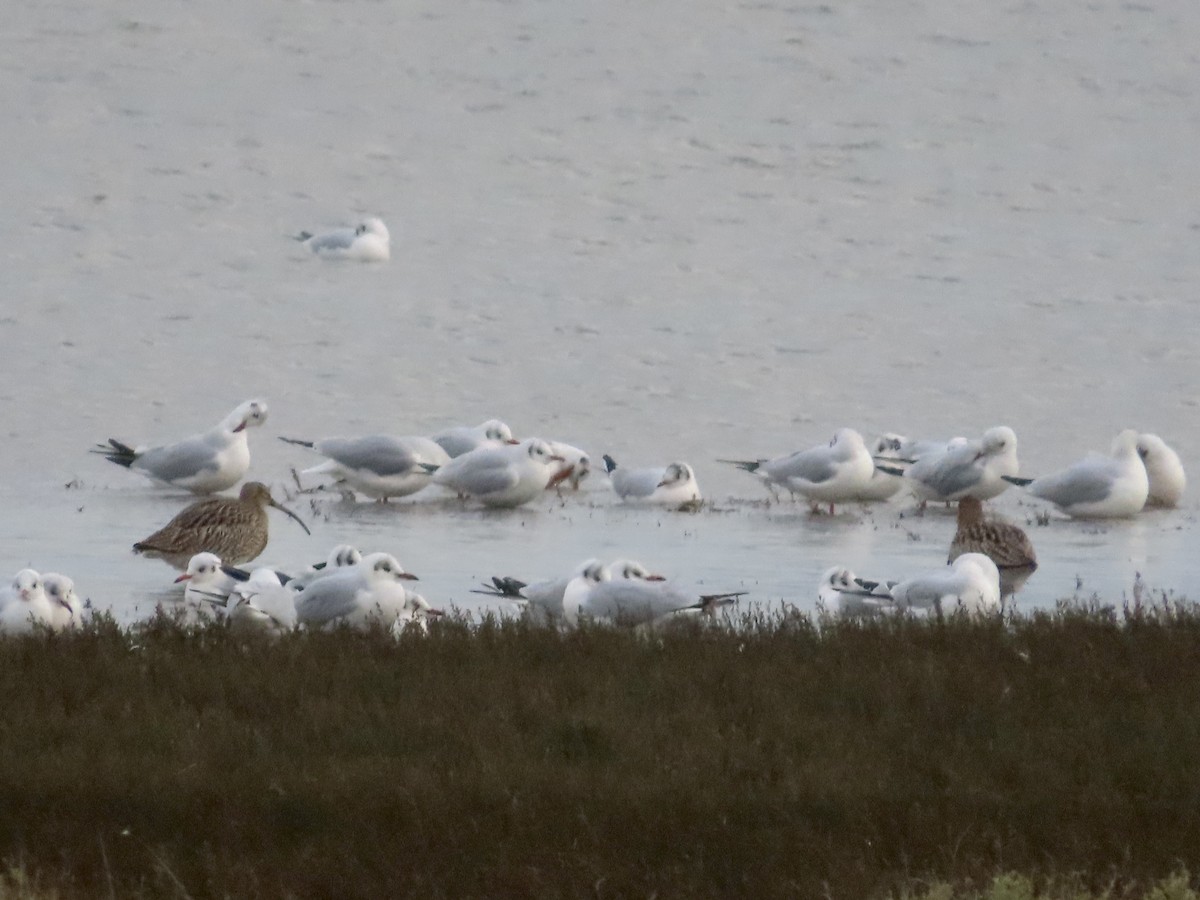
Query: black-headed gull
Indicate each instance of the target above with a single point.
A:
(503, 476)
(25, 606)
(965, 468)
(369, 241)
(206, 589)
(464, 438)
(542, 601)
(1163, 469)
(836, 472)
(672, 485)
(1097, 487)
(372, 592)
(66, 609)
(377, 465)
(203, 463)
(262, 605)
(971, 584)
(841, 594)
(632, 596)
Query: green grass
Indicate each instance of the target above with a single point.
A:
(908, 759)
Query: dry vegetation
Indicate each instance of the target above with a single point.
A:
(906, 759)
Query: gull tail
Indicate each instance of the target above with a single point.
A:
(890, 470)
(1019, 482)
(297, 442)
(610, 464)
(503, 587)
(746, 465)
(115, 451)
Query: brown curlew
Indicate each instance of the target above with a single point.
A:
(235, 530)
(1006, 545)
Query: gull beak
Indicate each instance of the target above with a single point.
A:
(408, 576)
(655, 578)
(241, 427)
(184, 577)
(560, 476)
(512, 441)
(284, 509)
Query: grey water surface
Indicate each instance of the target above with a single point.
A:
(672, 230)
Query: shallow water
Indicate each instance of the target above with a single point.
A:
(675, 231)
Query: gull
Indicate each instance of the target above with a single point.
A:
(841, 594)
(577, 465)
(1007, 545)
(206, 589)
(1163, 469)
(1097, 487)
(633, 596)
(378, 466)
(370, 593)
(504, 476)
(203, 463)
(974, 468)
(971, 584)
(541, 602)
(415, 616)
(262, 605)
(343, 556)
(66, 611)
(465, 438)
(25, 606)
(831, 473)
(367, 242)
(235, 530)
(673, 485)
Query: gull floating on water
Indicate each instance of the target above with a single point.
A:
(367, 242)
(832, 473)
(504, 476)
(971, 584)
(203, 463)
(1007, 545)
(25, 606)
(634, 597)
(465, 438)
(542, 601)
(378, 466)
(1097, 487)
(1163, 469)
(673, 485)
(235, 530)
(976, 468)
(371, 593)
(841, 594)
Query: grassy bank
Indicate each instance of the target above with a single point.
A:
(780, 760)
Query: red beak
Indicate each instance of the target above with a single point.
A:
(183, 577)
(408, 576)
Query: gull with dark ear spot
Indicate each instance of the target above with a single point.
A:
(369, 241)
(1163, 470)
(842, 595)
(235, 530)
(370, 593)
(633, 597)
(203, 463)
(24, 607)
(1097, 487)
(66, 609)
(673, 485)
(837, 472)
(507, 475)
(465, 438)
(206, 589)
(978, 468)
(541, 602)
(261, 605)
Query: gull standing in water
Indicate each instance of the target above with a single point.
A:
(832, 473)
(1007, 545)
(979, 468)
(367, 242)
(673, 485)
(235, 530)
(503, 476)
(1163, 470)
(971, 584)
(378, 466)
(203, 463)
(465, 438)
(1097, 487)
(25, 606)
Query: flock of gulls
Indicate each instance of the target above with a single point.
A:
(209, 540)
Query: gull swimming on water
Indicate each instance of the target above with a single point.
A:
(836, 472)
(1163, 469)
(367, 242)
(672, 485)
(378, 466)
(203, 463)
(1007, 545)
(542, 601)
(1097, 487)
(507, 475)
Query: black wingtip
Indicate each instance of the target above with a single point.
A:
(297, 442)
(303, 236)
(746, 465)
(890, 470)
(116, 452)
(235, 573)
(610, 464)
(1019, 482)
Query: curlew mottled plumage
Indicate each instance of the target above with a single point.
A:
(235, 530)
(1008, 546)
